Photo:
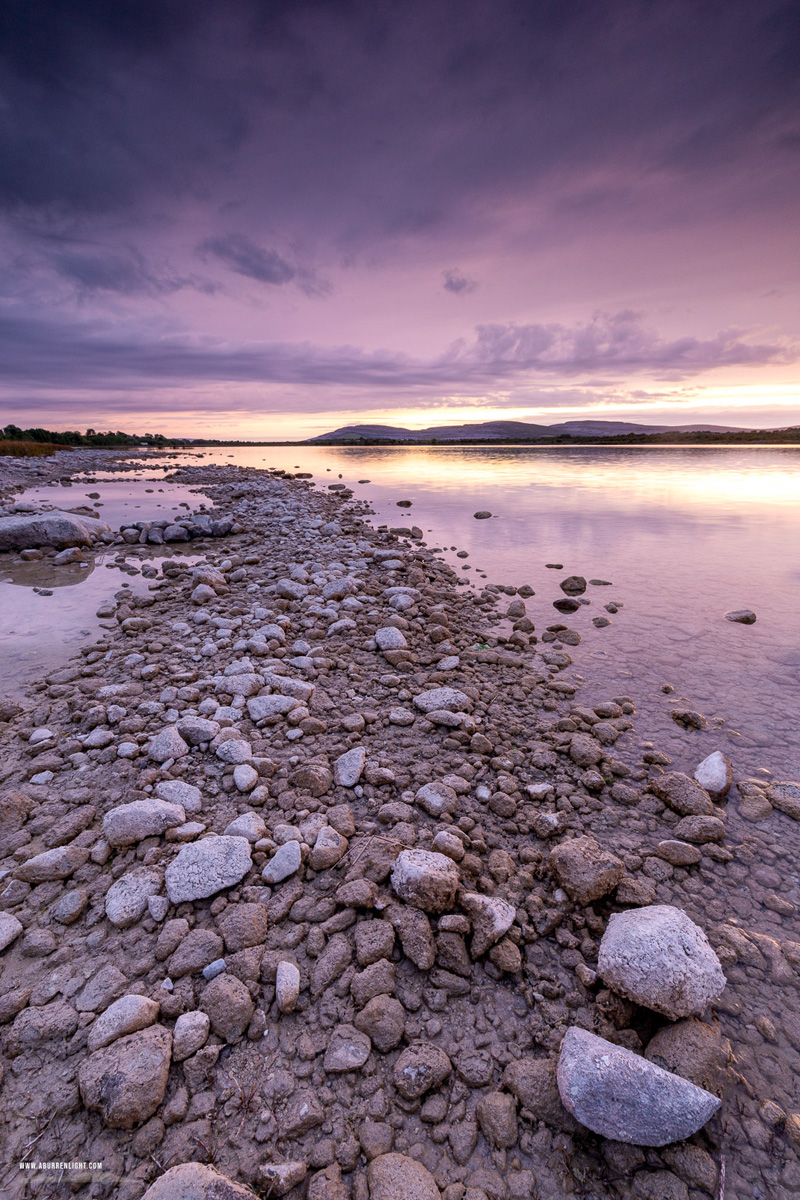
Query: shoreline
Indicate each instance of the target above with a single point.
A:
(513, 768)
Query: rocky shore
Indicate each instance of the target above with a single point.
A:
(309, 888)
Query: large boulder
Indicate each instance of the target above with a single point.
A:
(206, 867)
(425, 880)
(585, 869)
(126, 1081)
(621, 1095)
(659, 958)
(55, 528)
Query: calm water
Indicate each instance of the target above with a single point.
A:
(683, 534)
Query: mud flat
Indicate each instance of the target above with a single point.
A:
(308, 889)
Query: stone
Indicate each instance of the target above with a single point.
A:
(50, 865)
(741, 616)
(197, 730)
(245, 777)
(130, 823)
(243, 925)
(585, 869)
(425, 880)
(33, 1027)
(682, 794)
(247, 825)
(621, 1095)
(693, 1049)
(195, 1181)
(177, 792)
(229, 1006)
(415, 933)
(390, 638)
(436, 798)
(10, 929)
(573, 585)
(533, 1081)
(657, 957)
(448, 698)
(280, 1178)
(785, 796)
(126, 900)
(497, 1117)
(376, 1137)
(715, 775)
(335, 958)
(199, 948)
(374, 940)
(166, 745)
(287, 986)
(329, 847)
(383, 1020)
(348, 767)
(126, 1081)
(104, 986)
(378, 979)
(700, 830)
(53, 528)
(301, 1114)
(421, 1067)
(585, 751)
(235, 750)
(190, 1034)
(679, 854)
(312, 777)
(398, 1177)
(284, 862)
(206, 867)
(348, 1049)
(491, 919)
(270, 708)
(126, 1015)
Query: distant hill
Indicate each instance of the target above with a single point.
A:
(485, 431)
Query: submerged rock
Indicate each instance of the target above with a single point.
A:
(53, 528)
(741, 616)
(621, 1095)
(658, 957)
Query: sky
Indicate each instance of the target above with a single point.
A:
(271, 218)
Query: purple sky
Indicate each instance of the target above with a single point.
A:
(271, 218)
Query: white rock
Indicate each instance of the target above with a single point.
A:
(285, 685)
(196, 730)
(245, 777)
(126, 1015)
(445, 697)
(248, 825)
(390, 638)
(425, 880)
(178, 792)
(659, 958)
(98, 739)
(715, 775)
(491, 918)
(190, 1034)
(348, 767)
(284, 862)
(287, 986)
(126, 900)
(263, 708)
(436, 798)
(234, 751)
(206, 867)
(329, 847)
(167, 744)
(130, 823)
(10, 928)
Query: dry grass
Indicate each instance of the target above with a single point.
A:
(28, 449)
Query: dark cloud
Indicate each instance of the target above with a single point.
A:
(457, 283)
(246, 258)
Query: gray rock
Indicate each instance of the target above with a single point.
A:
(190, 1034)
(126, 900)
(234, 751)
(444, 697)
(573, 585)
(130, 823)
(206, 867)
(348, 767)
(194, 1181)
(10, 928)
(59, 863)
(284, 862)
(126, 1081)
(785, 796)
(491, 919)
(263, 708)
(621, 1095)
(436, 798)
(425, 880)
(715, 775)
(585, 869)
(248, 825)
(659, 958)
(55, 528)
(167, 744)
(175, 791)
(742, 616)
(287, 986)
(196, 730)
(126, 1015)
(280, 1178)
(398, 1177)
(245, 777)
(390, 638)
(104, 986)
(348, 1050)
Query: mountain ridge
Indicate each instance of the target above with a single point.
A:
(524, 430)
